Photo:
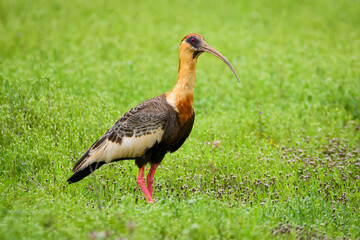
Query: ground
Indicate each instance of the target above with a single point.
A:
(276, 156)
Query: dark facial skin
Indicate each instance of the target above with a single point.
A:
(195, 42)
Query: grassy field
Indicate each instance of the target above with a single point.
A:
(277, 156)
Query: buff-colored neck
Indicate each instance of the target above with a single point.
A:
(181, 96)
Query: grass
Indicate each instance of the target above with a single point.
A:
(277, 156)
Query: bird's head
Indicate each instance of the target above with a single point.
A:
(194, 44)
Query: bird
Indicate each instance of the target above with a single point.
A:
(150, 130)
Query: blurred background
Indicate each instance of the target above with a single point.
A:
(295, 59)
(70, 69)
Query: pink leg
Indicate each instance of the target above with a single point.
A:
(150, 177)
(141, 182)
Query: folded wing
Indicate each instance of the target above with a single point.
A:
(131, 136)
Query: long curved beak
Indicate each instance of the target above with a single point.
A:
(207, 48)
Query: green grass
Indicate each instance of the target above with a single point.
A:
(70, 69)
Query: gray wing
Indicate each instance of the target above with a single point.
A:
(130, 137)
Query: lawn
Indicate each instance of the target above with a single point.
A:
(276, 156)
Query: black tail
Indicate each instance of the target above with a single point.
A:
(83, 173)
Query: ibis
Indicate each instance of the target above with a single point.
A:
(154, 127)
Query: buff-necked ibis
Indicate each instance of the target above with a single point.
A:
(154, 127)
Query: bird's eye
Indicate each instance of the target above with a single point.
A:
(193, 40)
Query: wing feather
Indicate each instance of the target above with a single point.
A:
(131, 136)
